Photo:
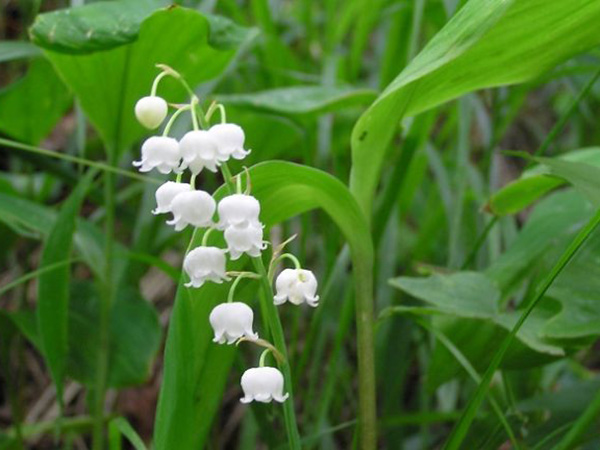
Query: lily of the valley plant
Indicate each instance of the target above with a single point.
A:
(210, 146)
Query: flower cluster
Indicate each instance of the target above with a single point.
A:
(210, 147)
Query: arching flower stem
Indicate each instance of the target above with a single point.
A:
(211, 110)
(263, 357)
(174, 117)
(206, 235)
(235, 283)
(278, 259)
(156, 82)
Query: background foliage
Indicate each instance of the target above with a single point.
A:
(413, 105)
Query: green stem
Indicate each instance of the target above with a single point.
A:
(362, 265)
(105, 308)
(274, 263)
(234, 285)
(460, 431)
(278, 338)
(174, 117)
(159, 77)
(263, 357)
(74, 159)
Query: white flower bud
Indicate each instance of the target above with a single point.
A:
(238, 210)
(199, 150)
(263, 384)
(151, 111)
(159, 152)
(166, 193)
(297, 286)
(244, 240)
(230, 140)
(205, 264)
(231, 321)
(194, 208)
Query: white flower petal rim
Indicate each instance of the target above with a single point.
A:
(199, 151)
(238, 210)
(194, 208)
(159, 152)
(296, 286)
(166, 193)
(205, 264)
(232, 321)
(248, 240)
(263, 384)
(230, 141)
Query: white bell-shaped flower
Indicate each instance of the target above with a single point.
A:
(199, 150)
(231, 321)
(205, 264)
(230, 140)
(166, 193)
(238, 210)
(297, 286)
(263, 384)
(151, 111)
(159, 152)
(242, 240)
(194, 208)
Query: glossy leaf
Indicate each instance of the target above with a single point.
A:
(33, 105)
(190, 393)
(109, 82)
(301, 99)
(53, 287)
(487, 43)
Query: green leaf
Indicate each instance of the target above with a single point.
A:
(553, 221)
(535, 182)
(472, 295)
(53, 287)
(301, 99)
(584, 177)
(190, 393)
(108, 83)
(93, 27)
(469, 294)
(33, 105)
(13, 50)
(487, 43)
(134, 336)
(576, 288)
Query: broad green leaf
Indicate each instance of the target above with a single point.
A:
(472, 295)
(134, 336)
(94, 27)
(301, 99)
(584, 177)
(33, 105)
(190, 393)
(53, 287)
(487, 43)
(469, 294)
(576, 288)
(13, 50)
(534, 183)
(552, 222)
(108, 83)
